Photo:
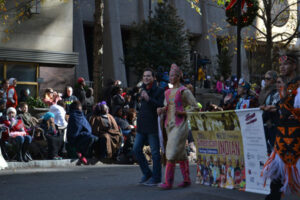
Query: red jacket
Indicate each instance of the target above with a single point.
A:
(17, 128)
(9, 103)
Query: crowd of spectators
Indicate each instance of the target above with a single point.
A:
(73, 125)
(77, 126)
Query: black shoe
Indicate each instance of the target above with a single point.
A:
(19, 157)
(25, 159)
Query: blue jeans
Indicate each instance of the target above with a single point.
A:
(23, 142)
(153, 140)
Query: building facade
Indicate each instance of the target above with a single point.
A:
(119, 16)
(37, 48)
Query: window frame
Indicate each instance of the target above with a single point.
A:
(36, 65)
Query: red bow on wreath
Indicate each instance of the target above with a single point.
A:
(231, 4)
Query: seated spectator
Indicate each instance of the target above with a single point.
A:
(69, 98)
(30, 122)
(54, 137)
(16, 133)
(126, 153)
(245, 99)
(105, 127)
(121, 122)
(79, 132)
(131, 117)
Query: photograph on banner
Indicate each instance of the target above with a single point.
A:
(220, 153)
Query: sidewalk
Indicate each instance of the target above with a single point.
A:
(45, 164)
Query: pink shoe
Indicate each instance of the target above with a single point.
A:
(184, 167)
(82, 159)
(184, 184)
(169, 177)
(165, 186)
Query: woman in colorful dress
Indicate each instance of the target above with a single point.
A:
(283, 166)
(176, 99)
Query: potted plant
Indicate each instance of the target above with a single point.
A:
(37, 107)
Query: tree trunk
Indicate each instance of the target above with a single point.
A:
(269, 45)
(98, 49)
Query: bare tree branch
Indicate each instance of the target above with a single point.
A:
(283, 10)
(259, 30)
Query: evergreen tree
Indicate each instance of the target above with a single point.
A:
(159, 42)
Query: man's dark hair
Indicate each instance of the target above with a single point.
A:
(150, 70)
(61, 103)
(75, 105)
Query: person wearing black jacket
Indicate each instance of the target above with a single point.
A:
(152, 97)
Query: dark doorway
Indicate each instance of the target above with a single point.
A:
(89, 46)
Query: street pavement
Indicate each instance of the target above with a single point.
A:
(107, 182)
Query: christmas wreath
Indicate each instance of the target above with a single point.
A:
(247, 16)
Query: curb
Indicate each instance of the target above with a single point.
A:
(42, 164)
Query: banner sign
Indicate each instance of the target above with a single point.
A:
(231, 149)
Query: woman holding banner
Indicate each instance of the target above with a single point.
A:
(283, 166)
(176, 101)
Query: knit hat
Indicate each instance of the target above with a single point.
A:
(244, 84)
(80, 80)
(11, 81)
(11, 109)
(47, 116)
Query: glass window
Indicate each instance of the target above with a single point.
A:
(21, 72)
(32, 89)
(1, 71)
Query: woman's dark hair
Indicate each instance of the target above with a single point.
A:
(75, 105)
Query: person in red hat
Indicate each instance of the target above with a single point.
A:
(80, 92)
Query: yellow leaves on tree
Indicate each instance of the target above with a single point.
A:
(194, 5)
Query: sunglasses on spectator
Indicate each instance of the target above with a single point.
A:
(268, 78)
